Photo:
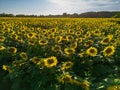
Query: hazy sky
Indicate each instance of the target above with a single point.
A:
(40, 7)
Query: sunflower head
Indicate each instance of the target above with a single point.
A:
(79, 40)
(31, 42)
(65, 78)
(114, 87)
(92, 51)
(58, 39)
(88, 43)
(23, 55)
(78, 33)
(2, 48)
(56, 48)
(109, 50)
(12, 50)
(50, 61)
(74, 45)
(70, 38)
(67, 65)
(69, 51)
(43, 42)
(2, 38)
(35, 60)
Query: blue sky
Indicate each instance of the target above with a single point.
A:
(46, 7)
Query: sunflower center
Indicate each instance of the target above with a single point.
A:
(92, 51)
(106, 40)
(24, 55)
(109, 50)
(70, 51)
(42, 42)
(50, 61)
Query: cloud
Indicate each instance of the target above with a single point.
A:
(79, 6)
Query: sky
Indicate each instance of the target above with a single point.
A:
(54, 7)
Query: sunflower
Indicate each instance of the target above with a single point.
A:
(2, 48)
(69, 51)
(69, 38)
(79, 40)
(50, 61)
(64, 37)
(50, 36)
(44, 31)
(114, 87)
(30, 35)
(31, 42)
(109, 50)
(97, 32)
(12, 50)
(35, 59)
(14, 36)
(5, 67)
(88, 43)
(43, 42)
(65, 78)
(58, 39)
(78, 33)
(61, 32)
(73, 45)
(88, 34)
(56, 48)
(2, 38)
(24, 55)
(2, 32)
(70, 31)
(53, 30)
(92, 51)
(19, 39)
(84, 84)
(107, 39)
(67, 65)
(83, 54)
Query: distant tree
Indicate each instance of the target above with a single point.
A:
(6, 15)
(64, 14)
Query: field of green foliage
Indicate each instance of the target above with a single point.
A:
(59, 54)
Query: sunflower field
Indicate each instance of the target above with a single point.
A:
(59, 54)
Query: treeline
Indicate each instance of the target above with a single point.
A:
(102, 14)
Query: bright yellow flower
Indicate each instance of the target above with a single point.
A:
(43, 42)
(69, 51)
(31, 42)
(58, 39)
(50, 61)
(74, 45)
(65, 78)
(5, 67)
(56, 48)
(92, 51)
(35, 59)
(114, 87)
(24, 55)
(79, 40)
(2, 48)
(12, 50)
(109, 50)
(69, 38)
(2, 38)
(88, 43)
(67, 65)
